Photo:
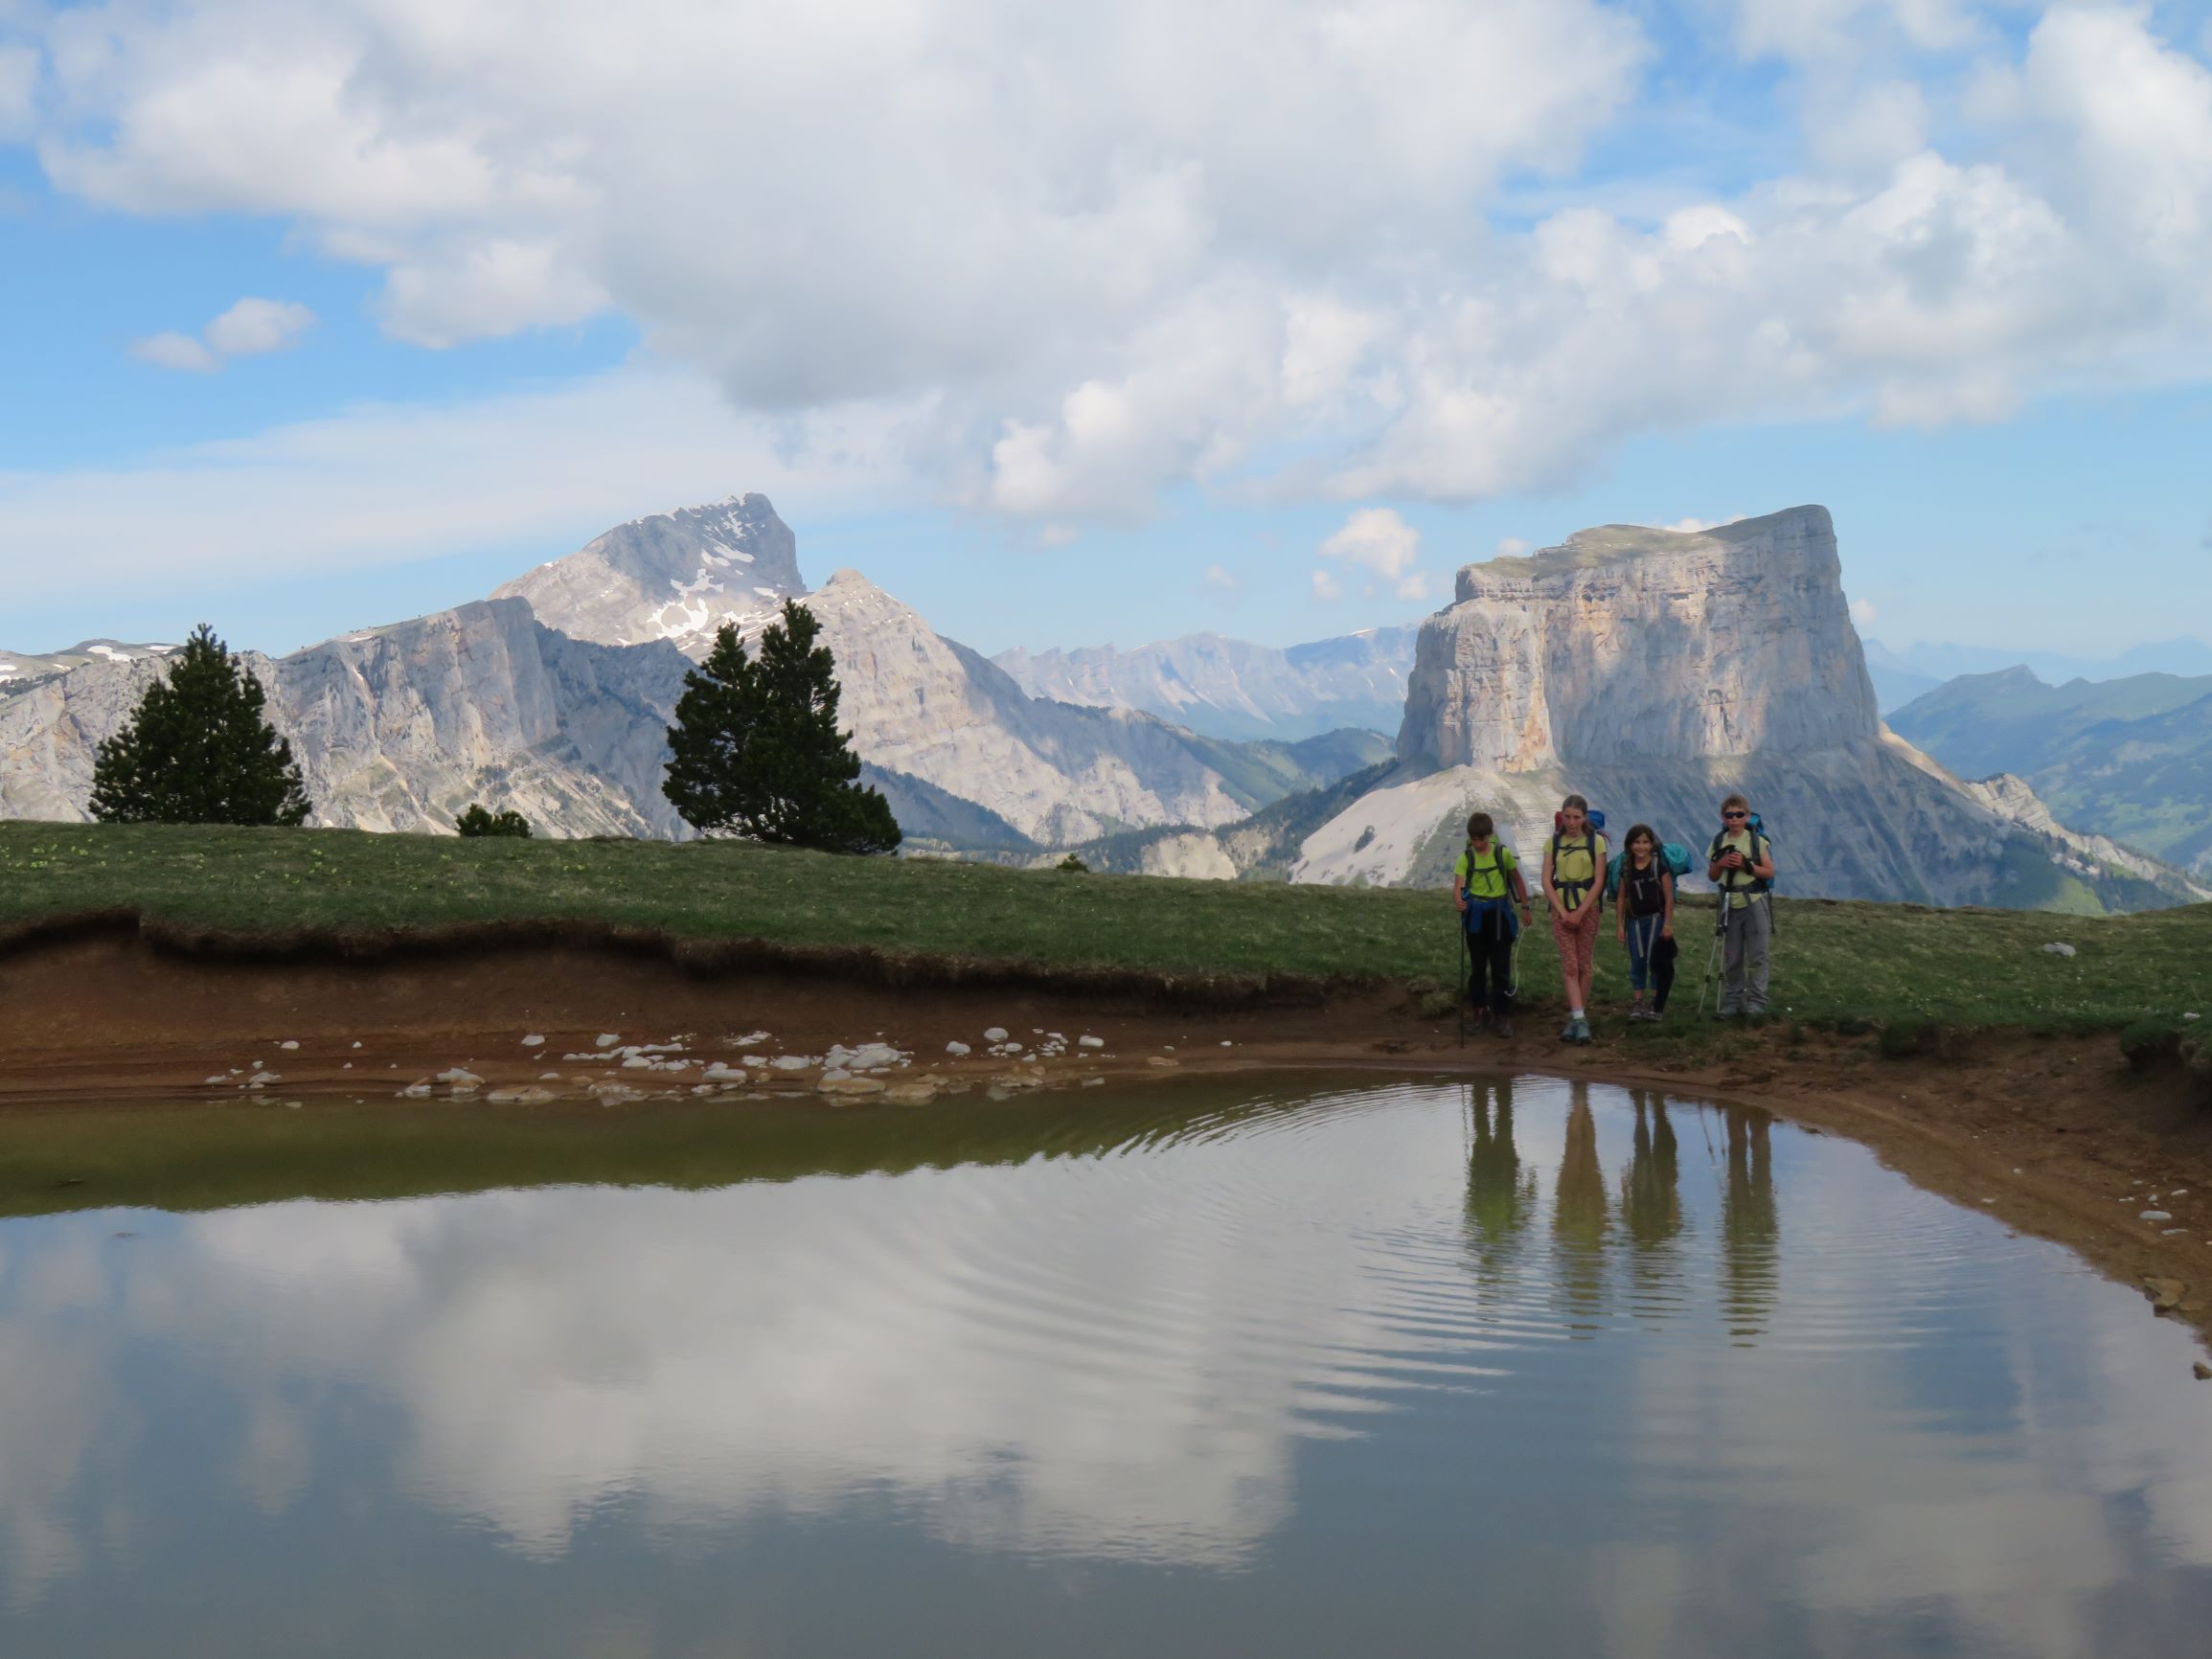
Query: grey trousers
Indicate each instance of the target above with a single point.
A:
(1744, 959)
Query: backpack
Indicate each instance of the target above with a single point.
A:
(1503, 860)
(1758, 828)
(1673, 857)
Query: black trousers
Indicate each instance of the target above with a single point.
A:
(1489, 949)
(1664, 951)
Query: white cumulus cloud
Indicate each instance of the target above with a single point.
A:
(1103, 251)
(250, 328)
(1378, 541)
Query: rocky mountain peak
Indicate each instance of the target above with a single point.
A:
(674, 576)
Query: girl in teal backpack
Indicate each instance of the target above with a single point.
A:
(1645, 921)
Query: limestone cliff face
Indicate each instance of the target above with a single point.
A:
(928, 707)
(554, 700)
(404, 727)
(1634, 643)
(918, 704)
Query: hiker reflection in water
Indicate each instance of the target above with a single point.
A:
(1579, 1217)
(1750, 1228)
(1652, 1197)
(1500, 1193)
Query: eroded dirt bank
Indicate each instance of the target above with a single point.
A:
(2054, 1136)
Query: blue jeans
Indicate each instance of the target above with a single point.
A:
(1643, 934)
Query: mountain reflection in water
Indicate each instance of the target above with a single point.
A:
(1193, 1369)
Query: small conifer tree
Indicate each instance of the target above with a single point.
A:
(756, 751)
(199, 750)
(481, 821)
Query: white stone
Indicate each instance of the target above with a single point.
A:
(609, 1039)
(866, 1058)
(1090, 1042)
(533, 1040)
(2056, 949)
(995, 1035)
(958, 1048)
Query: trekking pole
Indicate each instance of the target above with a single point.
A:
(1712, 956)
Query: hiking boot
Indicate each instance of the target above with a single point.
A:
(1582, 1031)
(1568, 1030)
(1502, 1026)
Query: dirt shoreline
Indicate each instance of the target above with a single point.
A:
(2054, 1136)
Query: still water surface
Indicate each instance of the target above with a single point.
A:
(1518, 1368)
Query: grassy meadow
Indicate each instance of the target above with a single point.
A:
(1834, 960)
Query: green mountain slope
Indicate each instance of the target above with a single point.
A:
(2130, 759)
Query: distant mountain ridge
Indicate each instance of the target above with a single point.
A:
(2130, 759)
(20, 666)
(552, 697)
(1225, 688)
(2182, 655)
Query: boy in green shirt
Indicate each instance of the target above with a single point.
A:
(1486, 884)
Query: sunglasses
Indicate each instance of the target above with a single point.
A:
(1735, 814)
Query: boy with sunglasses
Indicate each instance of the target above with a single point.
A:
(1742, 866)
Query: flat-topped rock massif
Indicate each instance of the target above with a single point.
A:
(1629, 643)
(1654, 670)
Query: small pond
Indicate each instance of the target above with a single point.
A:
(1311, 1367)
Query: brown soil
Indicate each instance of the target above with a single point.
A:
(2054, 1136)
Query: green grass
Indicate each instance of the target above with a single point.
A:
(1833, 961)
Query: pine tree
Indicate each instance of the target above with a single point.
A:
(480, 821)
(756, 750)
(199, 750)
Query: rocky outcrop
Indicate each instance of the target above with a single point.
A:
(402, 727)
(1628, 643)
(1225, 688)
(674, 575)
(1653, 672)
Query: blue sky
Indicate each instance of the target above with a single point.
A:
(1016, 312)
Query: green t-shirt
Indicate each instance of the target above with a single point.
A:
(1490, 877)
